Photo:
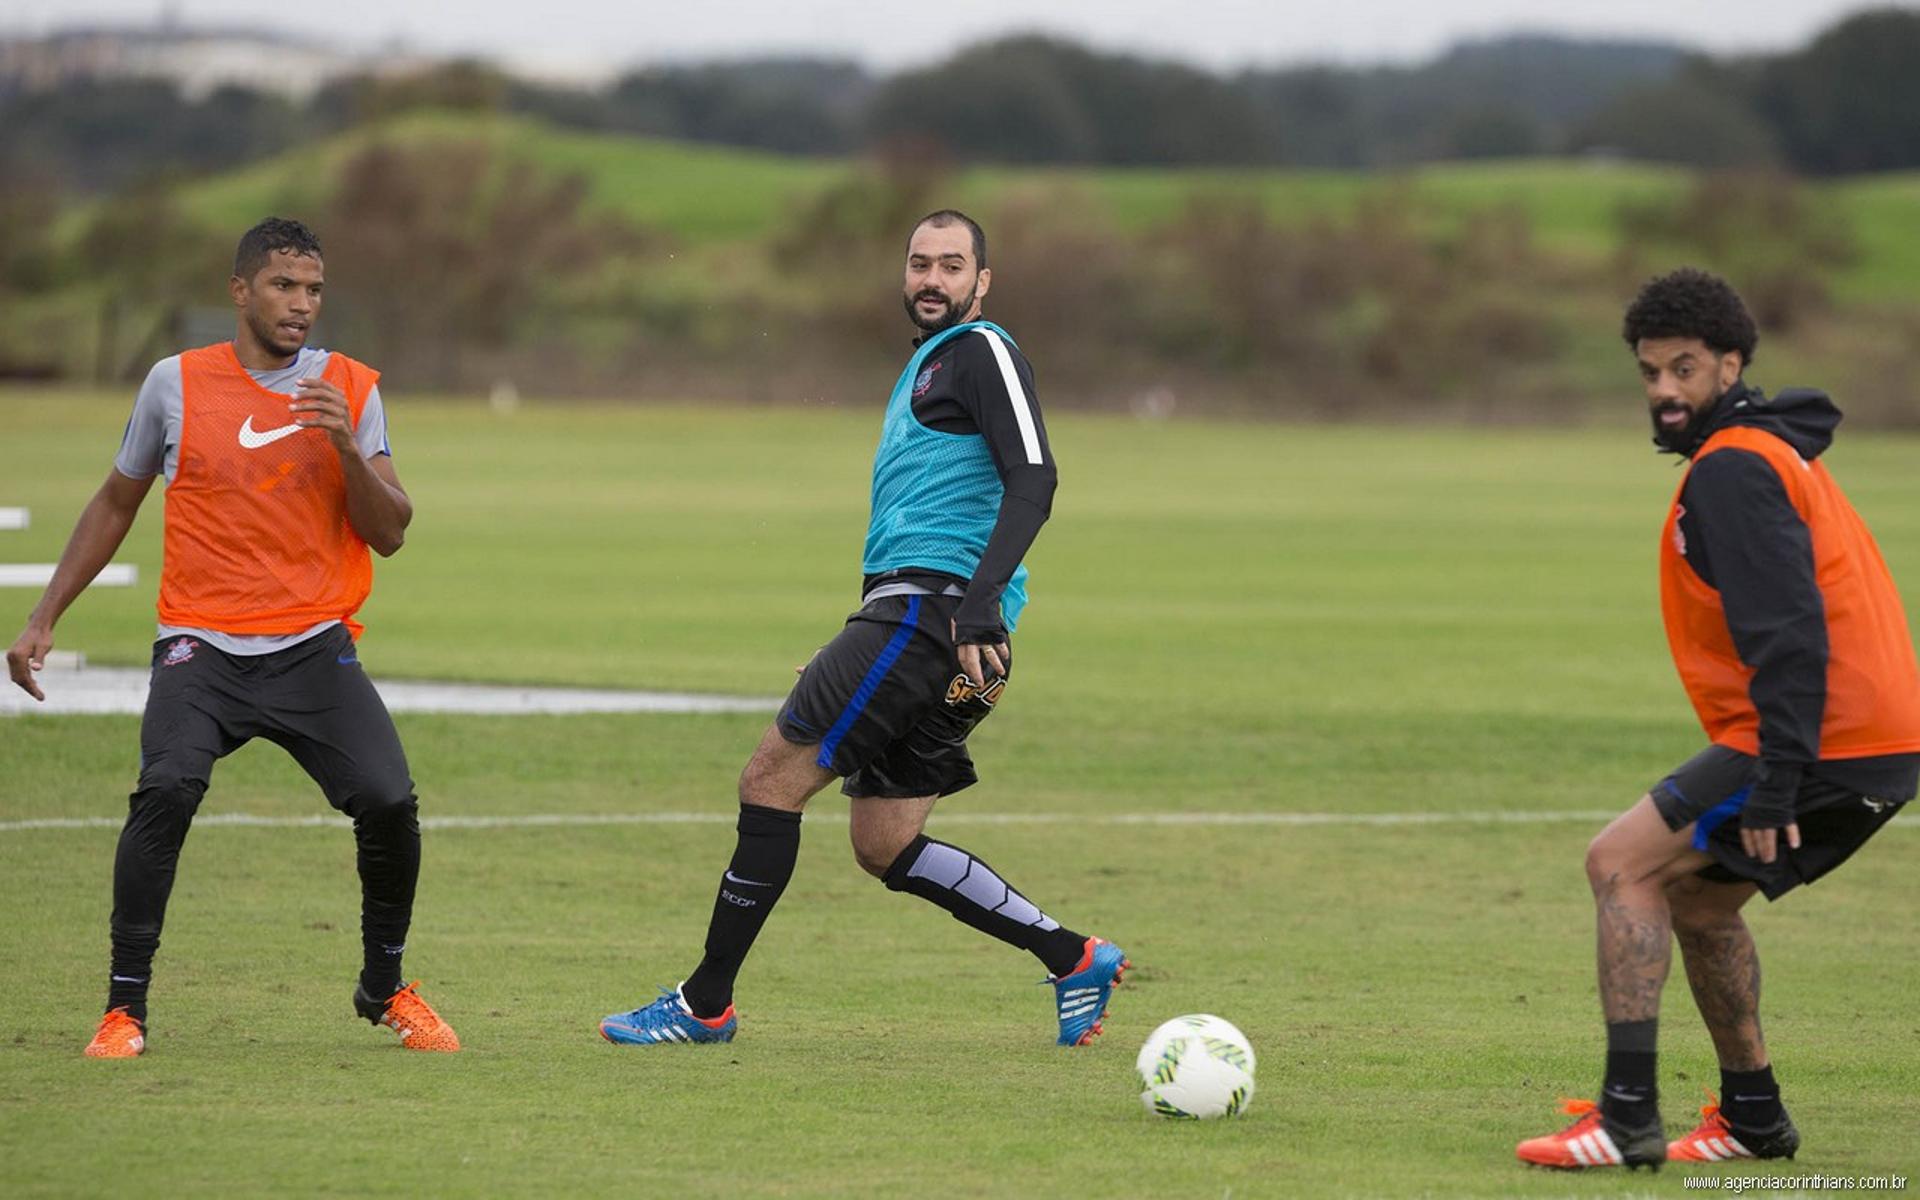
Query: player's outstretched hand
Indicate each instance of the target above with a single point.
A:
(27, 655)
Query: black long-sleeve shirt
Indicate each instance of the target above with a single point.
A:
(1745, 540)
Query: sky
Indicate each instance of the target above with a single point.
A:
(1220, 34)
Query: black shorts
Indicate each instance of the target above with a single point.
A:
(887, 703)
(312, 699)
(1836, 816)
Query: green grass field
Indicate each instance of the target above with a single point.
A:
(1227, 619)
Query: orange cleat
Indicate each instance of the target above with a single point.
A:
(1594, 1141)
(404, 1012)
(1719, 1140)
(119, 1036)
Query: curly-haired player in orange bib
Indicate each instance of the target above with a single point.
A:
(1790, 639)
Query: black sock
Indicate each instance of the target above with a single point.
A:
(762, 864)
(976, 895)
(383, 980)
(1629, 1094)
(129, 994)
(388, 841)
(1750, 1098)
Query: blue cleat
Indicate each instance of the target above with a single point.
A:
(1082, 995)
(668, 1019)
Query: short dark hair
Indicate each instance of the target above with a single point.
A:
(1691, 303)
(953, 216)
(258, 244)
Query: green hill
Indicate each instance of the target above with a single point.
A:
(696, 192)
(1884, 211)
(703, 194)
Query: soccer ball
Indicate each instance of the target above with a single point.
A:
(1196, 1066)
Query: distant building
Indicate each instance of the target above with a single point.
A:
(198, 61)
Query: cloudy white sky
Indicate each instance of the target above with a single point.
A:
(1215, 33)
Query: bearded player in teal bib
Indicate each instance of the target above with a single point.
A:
(962, 481)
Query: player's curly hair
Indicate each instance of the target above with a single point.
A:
(275, 233)
(1691, 303)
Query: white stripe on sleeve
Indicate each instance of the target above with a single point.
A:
(1022, 411)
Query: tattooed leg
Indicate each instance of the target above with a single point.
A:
(1723, 967)
(1634, 951)
(1629, 866)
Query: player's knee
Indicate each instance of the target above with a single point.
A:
(754, 782)
(1608, 863)
(1699, 909)
(765, 784)
(1688, 920)
(873, 862)
(167, 790)
(759, 779)
(876, 850)
(383, 803)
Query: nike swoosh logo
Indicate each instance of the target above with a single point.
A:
(253, 438)
(732, 878)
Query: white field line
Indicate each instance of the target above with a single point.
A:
(720, 817)
(76, 688)
(38, 574)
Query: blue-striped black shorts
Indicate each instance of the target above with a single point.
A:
(886, 703)
(1835, 817)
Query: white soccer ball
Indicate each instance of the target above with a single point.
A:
(1196, 1066)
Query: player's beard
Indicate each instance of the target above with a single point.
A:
(946, 320)
(1683, 439)
(269, 334)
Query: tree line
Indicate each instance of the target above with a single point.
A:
(1849, 101)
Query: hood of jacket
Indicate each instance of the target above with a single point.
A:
(1804, 418)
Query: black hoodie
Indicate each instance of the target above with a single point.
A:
(1745, 540)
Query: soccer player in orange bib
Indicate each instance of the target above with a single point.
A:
(1791, 642)
(279, 479)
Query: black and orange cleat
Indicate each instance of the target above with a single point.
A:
(404, 1012)
(1595, 1141)
(1720, 1140)
(121, 1035)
